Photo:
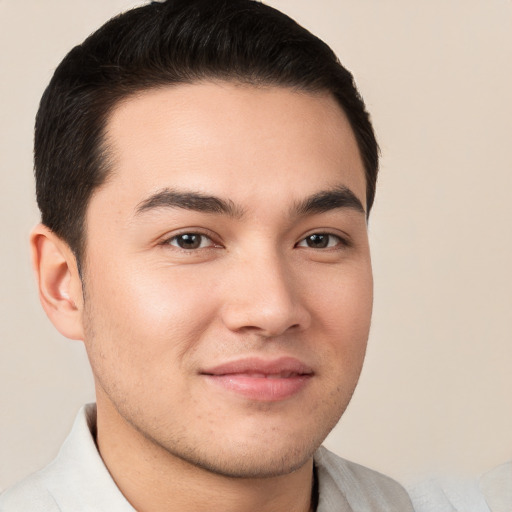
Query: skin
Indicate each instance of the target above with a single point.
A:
(153, 315)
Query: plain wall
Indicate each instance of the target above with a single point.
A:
(435, 394)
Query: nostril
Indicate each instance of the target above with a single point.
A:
(263, 322)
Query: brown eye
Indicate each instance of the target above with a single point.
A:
(320, 241)
(190, 241)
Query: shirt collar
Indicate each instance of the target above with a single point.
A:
(82, 481)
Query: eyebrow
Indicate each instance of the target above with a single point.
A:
(196, 201)
(324, 201)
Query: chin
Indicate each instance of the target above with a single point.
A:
(270, 451)
(251, 463)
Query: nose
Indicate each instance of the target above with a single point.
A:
(263, 297)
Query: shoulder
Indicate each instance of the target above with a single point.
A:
(362, 488)
(454, 493)
(490, 492)
(496, 485)
(77, 480)
(31, 494)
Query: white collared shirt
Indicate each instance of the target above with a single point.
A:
(78, 481)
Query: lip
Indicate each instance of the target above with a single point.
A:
(261, 379)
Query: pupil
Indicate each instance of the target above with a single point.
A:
(189, 241)
(318, 241)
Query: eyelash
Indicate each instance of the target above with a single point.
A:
(340, 241)
(203, 237)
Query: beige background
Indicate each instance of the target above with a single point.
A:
(437, 77)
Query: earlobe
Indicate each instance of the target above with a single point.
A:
(59, 283)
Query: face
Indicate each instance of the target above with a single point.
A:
(227, 275)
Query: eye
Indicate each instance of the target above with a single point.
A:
(321, 241)
(190, 241)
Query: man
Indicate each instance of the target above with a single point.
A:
(205, 170)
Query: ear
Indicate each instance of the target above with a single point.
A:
(59, 283)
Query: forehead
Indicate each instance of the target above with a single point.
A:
(223, 137)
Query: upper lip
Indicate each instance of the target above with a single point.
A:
(284, 366)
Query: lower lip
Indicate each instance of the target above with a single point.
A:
(261, 388)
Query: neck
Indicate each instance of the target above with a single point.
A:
(152, 479)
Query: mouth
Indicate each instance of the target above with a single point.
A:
(259, 379)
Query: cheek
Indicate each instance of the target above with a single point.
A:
(146, 317)
(343, 309)
(344, 300)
